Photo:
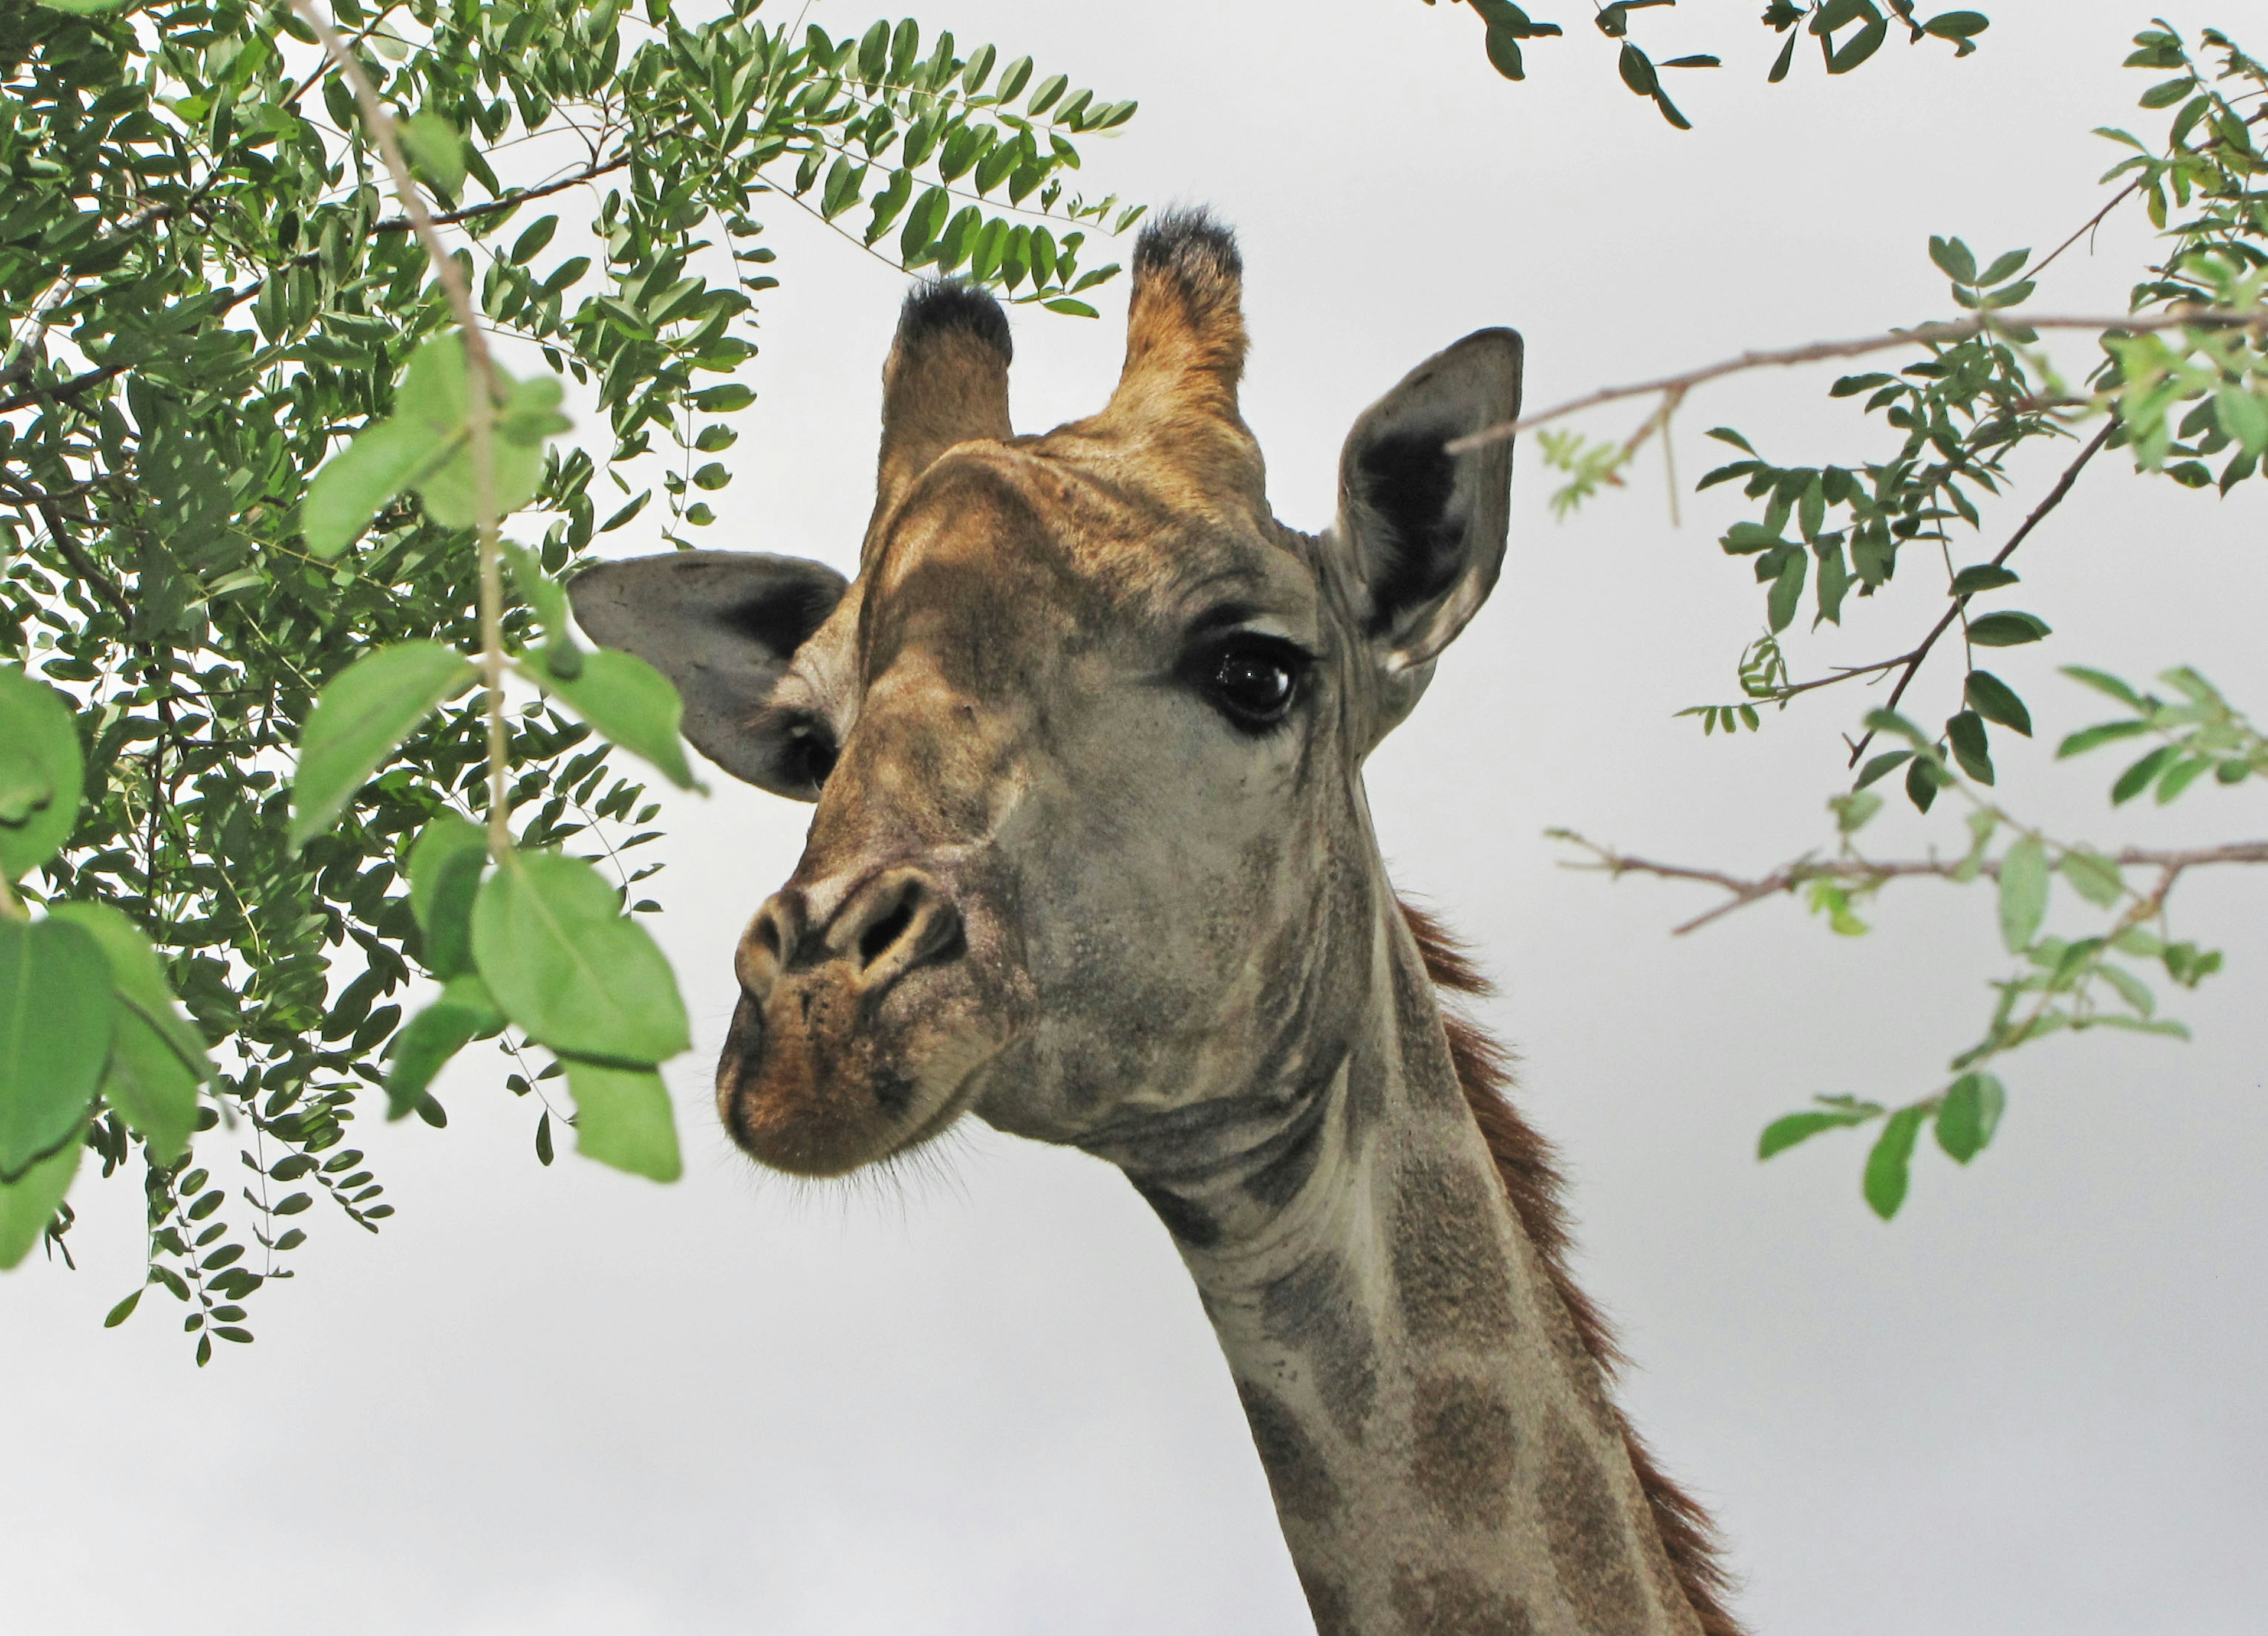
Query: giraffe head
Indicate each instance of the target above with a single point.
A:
(1084, 735)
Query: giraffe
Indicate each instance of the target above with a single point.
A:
(1090, 859)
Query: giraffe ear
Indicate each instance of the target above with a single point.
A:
(1421, 530)
(723, 626)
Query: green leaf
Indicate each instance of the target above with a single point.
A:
(1983, 577)
(2094, 877)
(357, 483)
(436, 396)
(2004, 267)
(124, 1310)
(2007, 630)
(1786, 593)
(622, 1119)
(2131, 988)
(436, 147)
(42, 773)
(1965, 733)
(2179, 777)
(1878, 765)
(565, 965)
(1783, 1134)
(631, 703)
(1968, 1116)
(2086, 738)
(2103, 681)
(157, 1058)
(463, 1012)
(2137, 777)
(1962, 27)
(445, 877)
(78, 8)
(28, 1202)
(361, 718)
(1889, 1164)
(1954, 259)
(56, 1013)
(2023, 893)
(549, 598)
(1996, 701)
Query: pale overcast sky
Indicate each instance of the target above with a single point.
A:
(981, 1400)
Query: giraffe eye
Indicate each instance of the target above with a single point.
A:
(1253, 681)
(809, 754)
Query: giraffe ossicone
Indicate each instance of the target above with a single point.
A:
(1090, 859)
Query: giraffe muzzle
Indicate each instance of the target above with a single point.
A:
(851, 1039)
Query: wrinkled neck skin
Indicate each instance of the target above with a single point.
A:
(1439, 1445)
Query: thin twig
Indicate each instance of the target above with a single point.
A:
(1869, 872)
(2053, 498)
(480, 407)
(1816, 351)
(2091, 223)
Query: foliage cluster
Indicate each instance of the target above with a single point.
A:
(2180, 386)
(245, 760)
(1849, 31)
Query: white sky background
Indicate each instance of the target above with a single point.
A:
(984, 1399)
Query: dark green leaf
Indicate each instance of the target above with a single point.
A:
(1996, 701)
(2137, 777)
(1965, 733)
(1878, 765)
(2007, 630)
(1983, 577)
(1969, 1114)
(1954, 259)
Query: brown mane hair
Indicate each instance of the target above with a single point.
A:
(1532, 1183)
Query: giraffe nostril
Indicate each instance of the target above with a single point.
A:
(875, 941)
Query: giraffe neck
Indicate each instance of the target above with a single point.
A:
(1439, 1444)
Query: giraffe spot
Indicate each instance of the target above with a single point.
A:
(1297, 1474)
(1191, 1222)
(1450, 1601)
(1463, 1442)
(1449, 1266)
(1328, 1601)
(1433, 1076)
(1592, 1556)
(1313, 1310)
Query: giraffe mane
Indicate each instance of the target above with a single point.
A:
(1534, 1186)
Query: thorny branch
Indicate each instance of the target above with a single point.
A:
(1866, 872)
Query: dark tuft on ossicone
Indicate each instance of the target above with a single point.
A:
(939, 306)
(1189, 246)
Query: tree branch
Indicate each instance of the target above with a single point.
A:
(1871, 872)
(1956, 329)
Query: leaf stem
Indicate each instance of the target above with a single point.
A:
(480, 408)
